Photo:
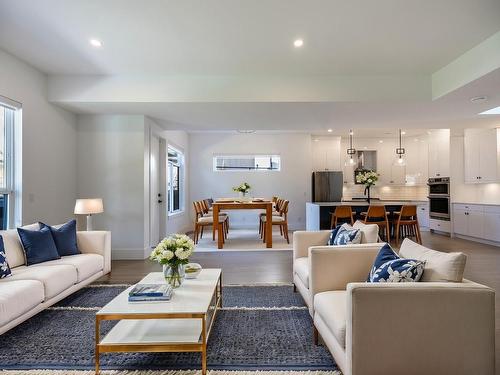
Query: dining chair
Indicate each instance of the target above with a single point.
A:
(281, 221)
(378, 215)
(344, 213)
(406, 222)
(202, 221)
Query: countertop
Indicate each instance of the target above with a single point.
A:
(477, 204)
(373, 202)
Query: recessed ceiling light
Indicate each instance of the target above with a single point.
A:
(479, 99)
(316, 140)
(245, 131)
(429, 132)
(95, 43)
(298, 43)
(403, 133)
(493, 111)
(381, 141)
(330, 130)
(416, 139)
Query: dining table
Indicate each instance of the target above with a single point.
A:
(242, 204)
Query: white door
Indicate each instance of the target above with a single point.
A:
(488, 155)
(460, 222)
(472, 148)
(155, 196)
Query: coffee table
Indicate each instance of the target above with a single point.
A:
(182, 324)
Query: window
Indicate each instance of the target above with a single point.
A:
(175, 175)
(8, 116)
(247, 163)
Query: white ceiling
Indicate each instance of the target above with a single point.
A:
(355, 37)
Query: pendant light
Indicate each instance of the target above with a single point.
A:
(351, 150)
(400, 151)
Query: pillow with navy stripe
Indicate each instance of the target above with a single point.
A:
(4, 266)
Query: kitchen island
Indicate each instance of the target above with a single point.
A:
(318, 214)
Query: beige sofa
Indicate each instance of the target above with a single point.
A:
(32, 289)
(441, 325)
(303, 240)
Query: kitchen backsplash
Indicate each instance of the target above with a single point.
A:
(387, 192)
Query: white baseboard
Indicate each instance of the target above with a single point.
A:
(475, 239)
(130, 254)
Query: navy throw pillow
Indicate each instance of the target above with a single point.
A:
(39, 246)
(64, 238)
(333, 234)
(4, 266)
(389, 267)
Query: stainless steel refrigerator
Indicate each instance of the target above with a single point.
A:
(327, 186)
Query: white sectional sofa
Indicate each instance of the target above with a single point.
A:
(441, 325)
(303, 240)
(31, 289)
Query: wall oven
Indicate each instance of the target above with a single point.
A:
(439, 198)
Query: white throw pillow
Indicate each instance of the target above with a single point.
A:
(439, 266)
(369, 232)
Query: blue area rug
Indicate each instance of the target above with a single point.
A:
(259, 328)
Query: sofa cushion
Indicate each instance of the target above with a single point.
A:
(64, 237)
(389, 267)
(369, 232)
(86, 264)
(38, 245)
(55, 279)
(332, 309)
(301, 268)
(439, 266)
(18, 297)
(4, 265)
(13, 248)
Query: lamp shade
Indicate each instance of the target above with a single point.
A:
(88, 206)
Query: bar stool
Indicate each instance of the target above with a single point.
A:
(378, 215)
(407, 224)
(343, 213)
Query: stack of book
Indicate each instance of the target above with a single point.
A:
(150, 292)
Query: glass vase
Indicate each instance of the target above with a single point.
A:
(174, 275)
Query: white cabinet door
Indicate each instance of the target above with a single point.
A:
(488, 155)
(475, 224)
(398, 174)
(386, 155)
(417, 153)
(349, 172)
(460, 225)
(326, 154)
(471, 156)
(491, 226)
(423, 215)
(439, 153)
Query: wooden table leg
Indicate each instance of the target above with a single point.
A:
(220, 234)
(97, 339)
(269, 226)
(204, 344)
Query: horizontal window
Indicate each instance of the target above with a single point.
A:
(247, 163)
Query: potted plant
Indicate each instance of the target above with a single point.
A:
(173, 253)
(367, 178)
(243, 189)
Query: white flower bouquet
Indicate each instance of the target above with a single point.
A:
(244, 188)
(367, 178)
(173, 253)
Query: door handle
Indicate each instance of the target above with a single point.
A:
(160, 201)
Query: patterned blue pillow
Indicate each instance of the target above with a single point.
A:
(389, 267)
(4, 266)
(347, 235)
(333, 234)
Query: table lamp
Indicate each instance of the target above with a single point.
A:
(89, 207)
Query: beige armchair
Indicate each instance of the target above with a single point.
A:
(400, 328)
(304, 240)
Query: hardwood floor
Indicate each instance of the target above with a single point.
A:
(268, 266)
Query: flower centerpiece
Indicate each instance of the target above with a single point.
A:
(368, 178)
(243, 189)
(173, 253)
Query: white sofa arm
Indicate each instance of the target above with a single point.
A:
(428, 327)
(303, 240)
(96, 242)
(333, 267)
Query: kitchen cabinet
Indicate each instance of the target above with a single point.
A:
(439, 153)
(481, 155)
(491, 223)
(398, 174)
(423, 215)
(417, 167)
(468, 220)
(326, 154)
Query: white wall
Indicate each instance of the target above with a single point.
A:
(293, 182)
(48, 144)
(468, 193)
(111, 166)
